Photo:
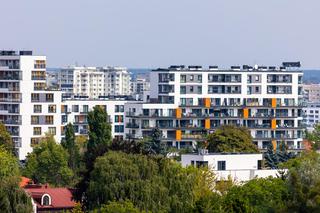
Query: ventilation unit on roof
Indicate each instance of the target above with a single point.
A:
(193, 67)
(291, 64)
(213, 67)
(176, 67)
(235, 67)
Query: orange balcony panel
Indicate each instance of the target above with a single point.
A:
(274, 102)
(274, 144)
(178, 113)
(178, 135)
(246, 113)
(207, 102)
(273, 123)
(62, 108)
(207, 124)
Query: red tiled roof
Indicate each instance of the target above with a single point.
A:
(60, 197)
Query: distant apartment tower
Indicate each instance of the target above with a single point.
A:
(187, 103)
(311, 115)
(139, 86)
(27, 108)
(94, 82)
(311, 92)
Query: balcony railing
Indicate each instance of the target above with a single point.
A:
(132, 125)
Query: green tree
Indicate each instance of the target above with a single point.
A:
(151, 183)
(48, 163)
(274, 158)
(100, 140)
(119, 207)
(155, 146)
(5, 139)
(314, 137)
(304, 183)
(257, 195)
(69, 144)
(231, 139)
(12, 198)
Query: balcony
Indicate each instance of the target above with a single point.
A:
(11, 121)
(10, 99)
(84, 131)
(132, 125)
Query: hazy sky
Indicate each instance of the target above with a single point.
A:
(157, 33)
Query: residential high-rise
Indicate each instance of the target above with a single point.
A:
(27, 107)
(95, 82)
(189, 103)
(311, 92)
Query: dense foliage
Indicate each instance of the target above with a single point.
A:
(12, 198)
(48, 163)
(231, 139)
(5, 139)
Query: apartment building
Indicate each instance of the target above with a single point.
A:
(311, 115)
(76, 111)
(27, 108)
(94, 82)
(187, 103)
(311, 92)
(139, 86)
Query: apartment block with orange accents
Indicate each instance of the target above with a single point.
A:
(188, 103)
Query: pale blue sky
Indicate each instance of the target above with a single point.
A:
(150, 33)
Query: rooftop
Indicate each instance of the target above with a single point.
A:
(15, 53)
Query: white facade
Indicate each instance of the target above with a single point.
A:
(94, 82)
(240, 167)
(27, 108)
(139, 87)
(188, 103)
(311, 115)
(311, 92)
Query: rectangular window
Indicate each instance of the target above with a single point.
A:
(85, 108)
(37, 108)
(35, 141)
(191, 77)
(52, 130)
(199, 78)
(75, 108)
(49, 119)
(40, 64)
(52, 108)
(64, 118)
(119, 128)
(49, 97)
(35, 97)
(36, 130)
(118, 118)
(34, 119)
(201, 164)
(221, 165)
(119, 108)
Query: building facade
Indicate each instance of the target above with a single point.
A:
(189, 103)
(311, 115)
(27, 108)
(95, 82)
(311, 92)
(239, 166)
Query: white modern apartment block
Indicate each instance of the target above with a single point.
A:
(311, 115)
(187, 103)
(139, 87)
(95, 82)
(76, 111)
(27, 108)
(311, 92)
(238, 166)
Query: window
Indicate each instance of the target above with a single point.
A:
(191, 77)
(52, 130)
(52, 108)
(49, 119)
(183, 78)
(201, 164)
(119, 128)
(36, 130)
(49, 98)
(40, 64)
(34, 119)
(37, 108)
(199, 78)
(35, 97)
(46, 201)
(119, 108)
(192, 163)
(118, 118)
(64, 118)
(199, 90)
(75, 108)
(35, 141)
(221, 165)
(191, 89)
(85, 108)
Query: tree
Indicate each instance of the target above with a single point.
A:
(304, 183)
(257, 195)
(48, 163)
(151, 183)
(119, 207)
(314, 137)
(231, 139)
(155, 146)
(100, 140)
(5, 139)
(69, 144)
(275, 157)
(12, 198)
